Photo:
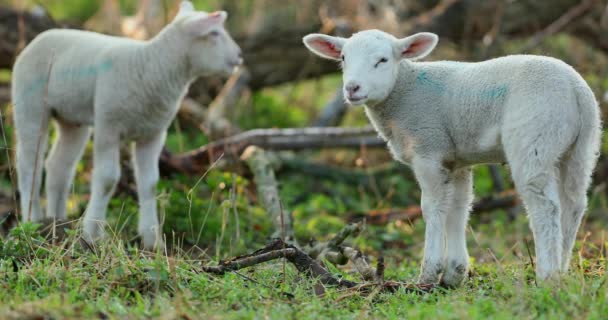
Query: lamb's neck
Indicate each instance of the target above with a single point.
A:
(383, 113)
(162, 64)
(406, 78)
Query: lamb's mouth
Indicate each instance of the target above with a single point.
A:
(357, 100)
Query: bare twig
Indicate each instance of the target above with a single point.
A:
(380, 269)
(330, 249)
(360, 263)
(215, 123)
(309, 267)
(559, 24)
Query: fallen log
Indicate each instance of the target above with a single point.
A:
(197, 161)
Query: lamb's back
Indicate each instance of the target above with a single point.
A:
(75, 60)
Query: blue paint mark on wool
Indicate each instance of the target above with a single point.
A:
(494, 93)
(78, 73)
(491, 94)
(435, 86)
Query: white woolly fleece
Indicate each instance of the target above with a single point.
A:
(126, 90)
(535, 113)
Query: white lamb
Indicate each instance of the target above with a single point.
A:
(536, 113)
(127, 90)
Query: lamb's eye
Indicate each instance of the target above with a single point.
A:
(214, 33)
(382, 60)
(342, 58)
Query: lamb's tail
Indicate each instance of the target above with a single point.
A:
(576, 168)
(586, 148)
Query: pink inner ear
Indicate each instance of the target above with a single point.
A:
(417, 46)
(214, 14)
(327, 47)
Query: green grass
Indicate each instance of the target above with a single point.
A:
(65, 281)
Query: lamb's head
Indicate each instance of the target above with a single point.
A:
(370, 60)
(211, 49)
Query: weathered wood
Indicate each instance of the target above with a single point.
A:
(311, 268)
(268, 191)
(198, 160)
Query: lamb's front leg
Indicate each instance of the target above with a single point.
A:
(106, 172)
(436, 188)
(457, 263)
(145, 159)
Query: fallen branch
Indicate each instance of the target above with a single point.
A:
(504, 200)
(308, 266)
(331, 249)
(216, 124)
(197, 161)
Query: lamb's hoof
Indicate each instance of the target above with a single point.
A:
(427, 279)
(552, 279)
(152, 240)
(430, 273)
(454, 275)
(93, 232)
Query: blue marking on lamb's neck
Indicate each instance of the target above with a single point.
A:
(433, 85)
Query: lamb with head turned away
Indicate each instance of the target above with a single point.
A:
(535, 113)
(126, 90)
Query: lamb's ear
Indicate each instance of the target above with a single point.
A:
(416, 46)
(325, 46)
(185, 7)
(202, 24)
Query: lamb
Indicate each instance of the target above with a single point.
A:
(127, 90)
(535, 113)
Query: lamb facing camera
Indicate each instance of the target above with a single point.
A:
(535, 113)
(127, 90)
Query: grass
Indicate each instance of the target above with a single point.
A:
(119, 281)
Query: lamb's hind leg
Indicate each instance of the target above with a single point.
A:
(537, 184)
(61, 165)
(145, 159)
(575, 170)
(32, 137)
